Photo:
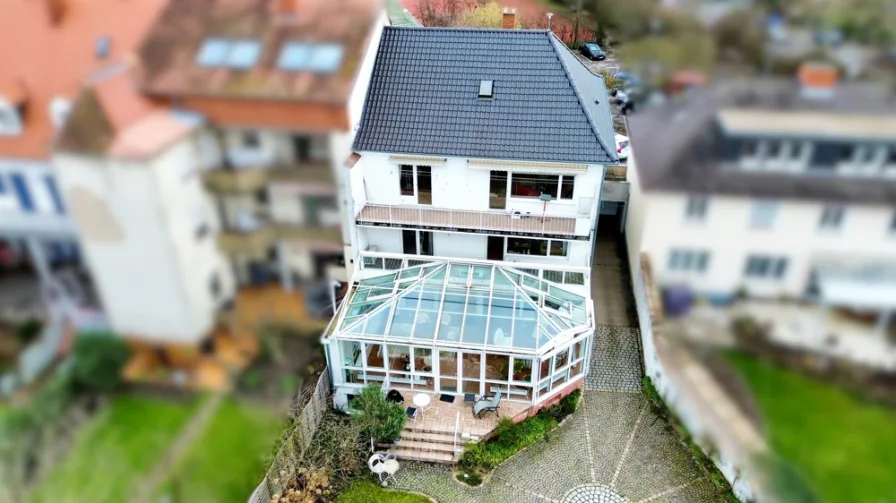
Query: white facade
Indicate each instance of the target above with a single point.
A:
(805, 235)
(475, 221)
(148, 232)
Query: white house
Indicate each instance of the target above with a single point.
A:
(772, 188)
(462, 154)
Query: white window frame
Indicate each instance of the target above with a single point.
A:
(549, 242)
(690, 261)
(560, 178)
(696, 208)
(832, 217)
(776, 267)
(764, 214)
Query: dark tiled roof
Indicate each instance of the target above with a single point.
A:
(676, 146)
(423, 98)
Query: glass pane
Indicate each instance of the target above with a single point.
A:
(363, 308)
(572, 298)
(352, 376)
(357, 328)
(379, 280)
(448, 371)
(400, 380)
(402, 322)
(502, 307)
(376, 323)
(375, 355)
(351, 353)
(472, 387)
(472, 365)
(502, 282)
(545, 370)
(458, 274)
(482, 275)
(576, 369)
(399, 357)
(500, 330)
(547, 326)
(474, 329)
(449, 326)
(522, 369)
(425, 325)
(422, 360)
(523, 393)
(423, 383)
(454, 303)
(560, 380)
(375, 377)
(497, 367)
(524, 333)
(409, 273)
(561, 359)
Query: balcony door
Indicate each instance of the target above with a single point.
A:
(416, 181)
(497, 188)
(416, 242)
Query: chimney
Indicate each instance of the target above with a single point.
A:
(817, 80)
(508, 22)
(55, 10)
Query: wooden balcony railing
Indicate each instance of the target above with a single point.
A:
(500, 221)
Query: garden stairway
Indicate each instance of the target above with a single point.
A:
(430, 443)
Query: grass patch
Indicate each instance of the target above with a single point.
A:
(229, 458)
(364, 491)
(478, 459)
(844, 447)
(114, 450)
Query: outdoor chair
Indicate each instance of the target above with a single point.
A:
(487, 405)
(412, 413)
(384, 466)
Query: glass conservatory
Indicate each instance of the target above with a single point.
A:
(456, 326)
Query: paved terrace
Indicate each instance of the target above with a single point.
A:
(461, 219)
(613, 450)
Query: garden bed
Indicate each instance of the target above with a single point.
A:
(508, 438)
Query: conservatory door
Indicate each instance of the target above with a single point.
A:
(447, 372)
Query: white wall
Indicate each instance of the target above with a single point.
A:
(459, 245)
(138, 236)
(726, 233)
(45, 219)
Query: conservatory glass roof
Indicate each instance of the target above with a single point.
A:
(465, 304)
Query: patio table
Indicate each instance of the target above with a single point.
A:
(421, 400)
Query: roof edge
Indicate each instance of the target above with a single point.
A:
(594, 129)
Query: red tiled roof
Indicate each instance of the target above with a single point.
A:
(50, 60)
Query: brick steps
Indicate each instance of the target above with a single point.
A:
(425, 456)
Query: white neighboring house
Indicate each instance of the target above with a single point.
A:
(773, 188)
(461, 155)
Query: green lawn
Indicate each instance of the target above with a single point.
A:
(229, 459)
(365, 491)
(845, 448)
(114, 450)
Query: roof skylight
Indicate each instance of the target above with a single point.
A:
(478, 305)
(213, 52)
(243, 54)
(320, 58)
(486, 88)
(237, 54)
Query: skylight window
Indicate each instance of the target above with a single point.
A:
(325, 58)
(294, 56)
(485, 88)
(243, 54)
(213, 52)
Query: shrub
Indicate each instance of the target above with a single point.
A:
(28, 330)
(289, 384)
(570, 402)
(98, 360)
(379, 418)
(472, 479)
(252, 379)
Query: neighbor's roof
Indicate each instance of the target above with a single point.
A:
(110, 117)
(423, 97)
(465, 304)
(40, 61)
(675, 146)
(169, 55)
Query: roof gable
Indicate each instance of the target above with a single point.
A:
(424, 97)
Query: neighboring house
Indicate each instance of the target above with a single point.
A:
(46, 50)
(481, 144)
(211, 164)
(780, 188)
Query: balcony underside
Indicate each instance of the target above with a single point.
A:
(248, 180)
(469, 220)
(257, 242)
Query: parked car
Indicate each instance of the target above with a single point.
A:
(592, 51)
(622, 146)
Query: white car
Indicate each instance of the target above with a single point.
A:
(622, 147)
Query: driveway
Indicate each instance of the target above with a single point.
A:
(612, 450)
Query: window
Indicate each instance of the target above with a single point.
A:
(831, 217)
(523, 246)
(325, 58)
(558, 248)
(867, 155)
(406, 179)
(485, 88)
(696, 208)
(238, 54)
(765, 267)
(893, 223)
(750, 149)
(688, 260)
(796, 151)
(763, 214)
(213, 52)
(773, 150)
(251, 139)
(846, 153)
(214, 285)
(891, 156)
(528, 185)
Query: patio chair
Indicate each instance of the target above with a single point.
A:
(487, 405)
(383, 466)
(412, 413)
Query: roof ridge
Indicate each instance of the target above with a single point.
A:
(572, 81)
(465, 28)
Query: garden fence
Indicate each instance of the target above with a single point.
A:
(302, 429)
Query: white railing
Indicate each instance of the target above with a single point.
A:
(456, 430)
(498, 220)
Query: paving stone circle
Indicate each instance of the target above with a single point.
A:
(593, 494)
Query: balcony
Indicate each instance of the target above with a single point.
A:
(251, 179)
(496, 221)
(256, 241)
(615, 173)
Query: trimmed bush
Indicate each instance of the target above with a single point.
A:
(98, 361)
(380, 419)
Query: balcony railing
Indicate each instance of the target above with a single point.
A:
(500, 221)
(616, 173)
(251, 179)
(258, 240)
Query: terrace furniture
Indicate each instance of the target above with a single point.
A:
(384, 466)
(394, 396)
(469, 398)
(412, 413)
(484, 405)
(495, 389)
(421, 400)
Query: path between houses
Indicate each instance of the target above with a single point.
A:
(146, 488)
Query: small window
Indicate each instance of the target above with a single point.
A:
(797, 150)
(891, 156)
(406, 179)
(765, 267)
(774, 149)
(696, 208)
(294, 56)
(763, 214)
(688, 260)
(251, 139)
(243, 54)
(750, 148)
(831, 217)
(567, 186)
(867, 155)
(486, 88)
(213, 52)
(846, 153)
(526, 185)
(523, 246)
(325, 58)
(559, 248)
(214, 285)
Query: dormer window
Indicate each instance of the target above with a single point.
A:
(486, 88)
